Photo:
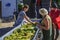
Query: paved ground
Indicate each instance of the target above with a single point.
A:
(4, 30)
(59, 37)
(4, 25)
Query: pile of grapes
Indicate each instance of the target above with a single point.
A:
(26, 32)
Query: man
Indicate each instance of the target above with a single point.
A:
(23, 15)
(45, 25)
(54, 13)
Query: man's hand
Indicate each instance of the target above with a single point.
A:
(35, 23)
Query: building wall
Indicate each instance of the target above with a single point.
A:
(8, 7)
(0, 0)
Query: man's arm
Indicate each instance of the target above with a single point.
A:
(46, 26)
(27, 18)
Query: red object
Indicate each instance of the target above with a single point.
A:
(38, 2)
(54, 14)
(58, 22)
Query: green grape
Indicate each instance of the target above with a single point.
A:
(9, 37)
(13, 35)
(26, 32)
(19, 37)
(15, 31)
(18, 30)
(6, 38)
(35, 29)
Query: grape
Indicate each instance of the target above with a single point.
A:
(26, 32)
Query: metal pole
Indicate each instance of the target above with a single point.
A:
(35, 10)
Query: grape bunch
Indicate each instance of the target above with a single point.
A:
(26, 32)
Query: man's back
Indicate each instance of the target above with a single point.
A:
(54, 13)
